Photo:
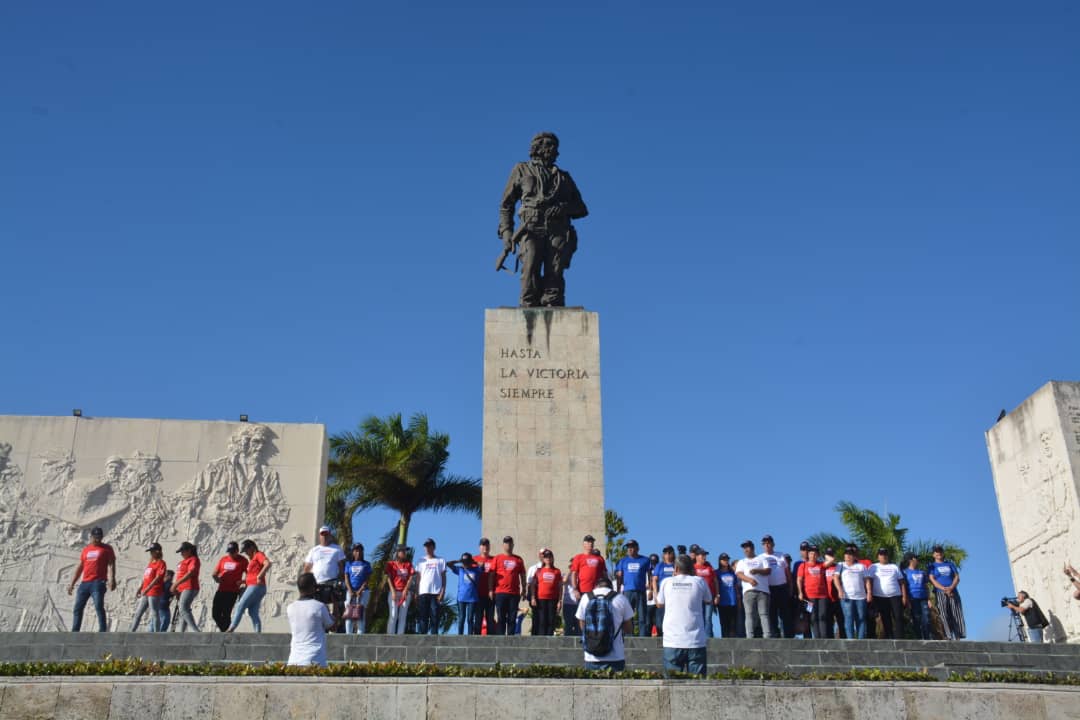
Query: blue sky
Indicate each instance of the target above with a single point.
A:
(827, 242)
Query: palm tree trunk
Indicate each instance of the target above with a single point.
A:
(403, 528)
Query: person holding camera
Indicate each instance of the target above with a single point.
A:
(326, 561)
(1032, 615)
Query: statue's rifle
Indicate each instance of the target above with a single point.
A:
(500, 264)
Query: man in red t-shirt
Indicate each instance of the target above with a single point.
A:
(506, 584)
(96, 568)
(813, 579)
(705, 571)
(485, 606)
(229, 575)
(587, 566)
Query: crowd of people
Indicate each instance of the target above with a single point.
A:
(764, 593)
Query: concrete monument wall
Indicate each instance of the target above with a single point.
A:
(146, 481)
(543, 461)
(1035, 456)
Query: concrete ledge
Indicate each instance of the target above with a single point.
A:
(415, 699)
(790, 656)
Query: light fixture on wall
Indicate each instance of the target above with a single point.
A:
(243, 418)
(77, 412)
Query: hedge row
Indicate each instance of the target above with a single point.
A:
(138, 667)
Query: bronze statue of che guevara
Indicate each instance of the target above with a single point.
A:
(545, 240)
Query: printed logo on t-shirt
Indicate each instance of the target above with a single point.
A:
(229, 566)
(547, 576)
(944, 570)
(148, 572)
(592, 562)
(728, 580)
(813, 570)
(633, 567)
(92, 554)
(509, 564)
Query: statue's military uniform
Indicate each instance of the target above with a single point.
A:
(546, 239)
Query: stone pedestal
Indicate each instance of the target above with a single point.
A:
(1035, 456)
(543, 467)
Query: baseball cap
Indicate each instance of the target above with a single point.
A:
(767, 539)
(185, 546)
(508, 538)
(232, 547)
(153, 546)
(804, 545)
(467, 559)
(882, 551)
(484, 541)
(702, 551)
(249, 543)
(851, 549)
(97, 532)
(747, 543)
(632, 543)
(430, 542)
(547, 553)
(588, 538)
(814, 548)
(668, 549)
(325, 530)
(724, 556)
(543, 551)
(830, 551)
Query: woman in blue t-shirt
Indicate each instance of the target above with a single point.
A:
(357, 574)
(944, 577)
(729, 596)
(468, 594)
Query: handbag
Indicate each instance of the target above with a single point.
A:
(352, 612)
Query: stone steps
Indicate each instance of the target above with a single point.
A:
(792, 656)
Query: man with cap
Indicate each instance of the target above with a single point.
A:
(587, 566)
(151, 593)
(326, 561)
(485, 604)
(781, 608)
(431, 587)
(632, 580)
(853, 586)
(229, 575)
(663, 570)
(753, 571)
(704, 570)
(96, 571)
(506, 584)
(888, 594)
(804, 553)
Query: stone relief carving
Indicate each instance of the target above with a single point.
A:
(1046, 487)
(46, 524)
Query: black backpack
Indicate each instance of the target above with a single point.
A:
(598, 632)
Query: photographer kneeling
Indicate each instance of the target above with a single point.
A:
(1034, 620)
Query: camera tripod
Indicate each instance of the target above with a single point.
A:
(1016, 628)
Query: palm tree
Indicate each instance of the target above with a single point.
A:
(870, 531)
(400, 467)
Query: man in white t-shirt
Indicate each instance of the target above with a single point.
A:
(622, 623)
(781, 607)
(308, 621)
(326, 561)
(753, 572)
(682, 596)
(853, 586)
(431, 588)
(888, 594)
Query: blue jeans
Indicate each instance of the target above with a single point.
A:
(506, 606)
(571, 626)
(687, 660)
(249, 601)
(466, 617)
(854, 618)
(1034, 635)
(639, 602)
(187, 618)
(159, 613)
(428, 608)
(613, 665)
(707, 611)
(86, 590)
(920, 616)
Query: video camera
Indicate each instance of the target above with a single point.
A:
(1006, 601)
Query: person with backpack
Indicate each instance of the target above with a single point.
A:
(681, 597)
(605, 617)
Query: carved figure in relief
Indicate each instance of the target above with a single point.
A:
(236, 495)
(148, 512)
(12, 492)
